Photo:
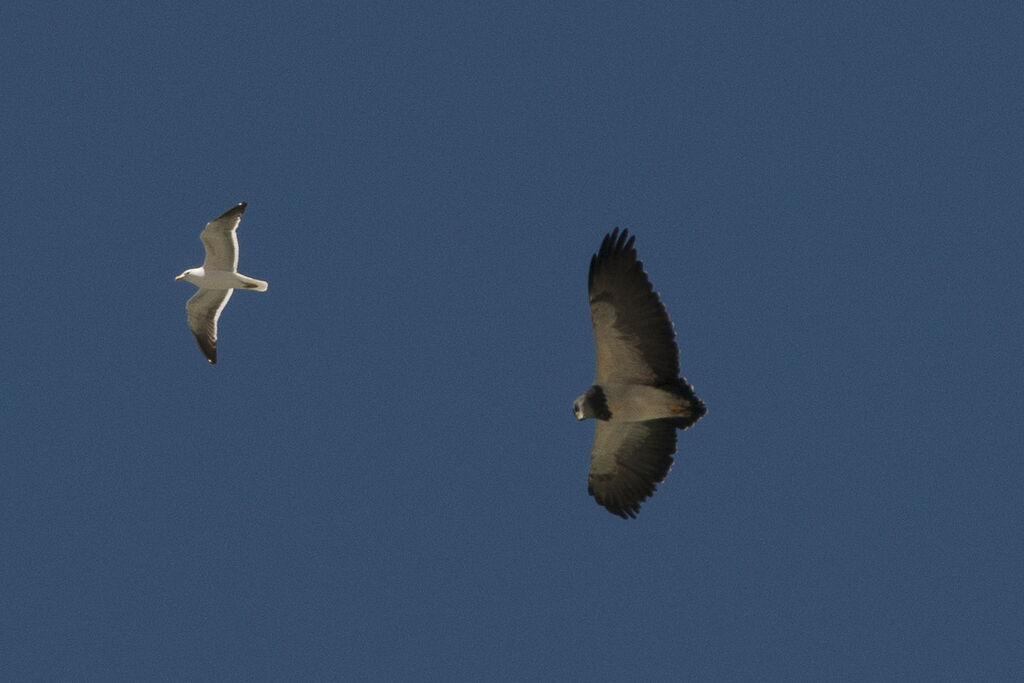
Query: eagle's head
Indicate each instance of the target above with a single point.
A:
(592, 404)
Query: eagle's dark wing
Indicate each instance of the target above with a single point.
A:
(627, 462)
(635, 340)
(203, 310)
(220, 240)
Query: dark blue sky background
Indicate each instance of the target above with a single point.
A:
(382, 476)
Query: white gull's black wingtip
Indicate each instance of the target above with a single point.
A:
(236, 210)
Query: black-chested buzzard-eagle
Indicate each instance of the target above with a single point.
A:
(638, 397)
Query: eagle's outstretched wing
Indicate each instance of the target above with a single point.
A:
(635, 341)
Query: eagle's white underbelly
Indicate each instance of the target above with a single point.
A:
(638, 402)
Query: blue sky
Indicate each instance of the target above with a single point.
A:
(382, 477)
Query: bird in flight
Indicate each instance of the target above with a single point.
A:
(216, 279)
(638, 398)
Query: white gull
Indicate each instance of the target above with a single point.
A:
(216, 279)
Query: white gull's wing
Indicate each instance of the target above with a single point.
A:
(220, 240)
(203, 310)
